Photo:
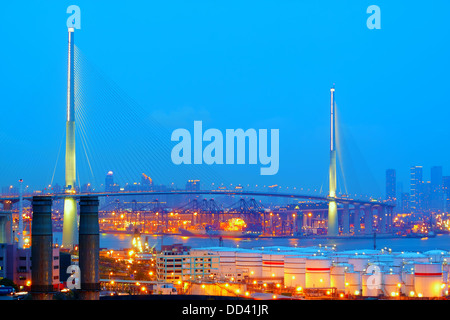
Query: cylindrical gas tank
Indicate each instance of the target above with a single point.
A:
(337, 275)
(273, 267)
(371, 284)
(353, 283)
(428, 279)
(359, 263)
(317, 272)
(392, 283)
(250, 262)
(294, 271)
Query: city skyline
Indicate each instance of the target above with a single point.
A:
(393, 187)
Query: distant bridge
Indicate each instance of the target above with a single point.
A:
(15, 198)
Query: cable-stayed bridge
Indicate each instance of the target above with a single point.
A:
(83, 92)
(82, 122)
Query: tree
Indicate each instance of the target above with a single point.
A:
(8, 283)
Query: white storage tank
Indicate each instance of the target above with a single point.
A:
(446, 259)
(372, 279)
(408, 278)
(337, 275)
(359, 262)
(273, 266)
(428, 280)
(379, 265)
(317, 272)
(340, 258)
(446, 270)
(408, 283)
(405, 257)
(436, 256)
(249, 262)
(385, 259)
(353, 283)
(294, 271)
(371, 284)
(392, 284)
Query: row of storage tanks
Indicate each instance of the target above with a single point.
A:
(369, 273)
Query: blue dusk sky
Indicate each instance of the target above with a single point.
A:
(231, 64)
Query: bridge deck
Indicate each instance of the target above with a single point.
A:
(15, 198)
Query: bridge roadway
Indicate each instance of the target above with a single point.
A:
(15, 198)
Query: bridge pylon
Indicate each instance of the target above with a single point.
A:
(70, 223)
(333, 227)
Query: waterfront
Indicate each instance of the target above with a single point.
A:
(122, 241)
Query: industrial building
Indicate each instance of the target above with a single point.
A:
(365, 273)
(176, 263)
(15, 264)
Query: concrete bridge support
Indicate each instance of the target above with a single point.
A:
(356, 220)
(346, 219)
(368, 220)
(382, 218)
(389, 219)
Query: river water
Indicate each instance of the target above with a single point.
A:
(123, 241)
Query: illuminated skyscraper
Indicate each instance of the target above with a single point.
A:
(446, 191)
(146, 182)
(437, 192)
(416, 189)
(109, 182)
(405, 202)
(391, 192)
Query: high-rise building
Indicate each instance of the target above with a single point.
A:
(405, 201)
(193, 185)
(391, 193)
(426, 196)
(446, 192)
(146, 182)
(416, 194)
(109, 182)
(437, 192)
(87, 187)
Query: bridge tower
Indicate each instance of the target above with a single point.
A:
(333, 229)
(70, 205)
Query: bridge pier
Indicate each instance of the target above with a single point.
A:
(346, 219)
(41, 249)
(368, 219)
(299, 222)
(356, 219)
(89, 248)
(7, 204)
(333, 227)
(389, 217)
(382, 218)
